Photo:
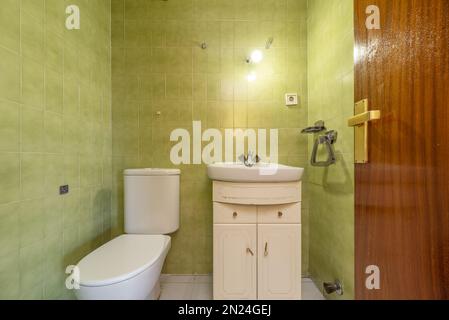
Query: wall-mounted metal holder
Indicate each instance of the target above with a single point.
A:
(360, 122)
(328, 139)
(269, 43)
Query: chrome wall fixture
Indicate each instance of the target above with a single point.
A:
(328, 140)
(316, 128)
(269, 43)
(333, 287)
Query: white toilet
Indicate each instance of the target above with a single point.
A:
(129, 266)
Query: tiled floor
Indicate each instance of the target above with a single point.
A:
(199, 287)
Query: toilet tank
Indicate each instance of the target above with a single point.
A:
(151, 201)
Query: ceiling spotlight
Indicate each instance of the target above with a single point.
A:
(255, 57)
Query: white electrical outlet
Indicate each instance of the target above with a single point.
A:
(291, 99)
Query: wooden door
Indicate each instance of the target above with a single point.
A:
(279, 262)
(235, 262)
(402, 194)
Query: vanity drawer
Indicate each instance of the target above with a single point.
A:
(234, 214)
(286, 213)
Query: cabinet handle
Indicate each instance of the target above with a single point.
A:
(235, 215)
(248, 250)
(280, 214)
(266, 249)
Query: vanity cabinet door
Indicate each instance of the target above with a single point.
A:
(235, 262)
(279, 262)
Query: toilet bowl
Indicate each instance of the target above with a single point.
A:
(126, 268)
(129, 266)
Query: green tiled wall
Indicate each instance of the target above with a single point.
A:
(162, 80)
(55, 129)
(331, 98)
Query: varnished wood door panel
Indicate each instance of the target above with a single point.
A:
(402, 195)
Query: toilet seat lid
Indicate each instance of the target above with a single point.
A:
(121, 259)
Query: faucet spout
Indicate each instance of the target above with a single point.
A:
(249, 160)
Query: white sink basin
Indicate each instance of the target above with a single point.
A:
(262, 172)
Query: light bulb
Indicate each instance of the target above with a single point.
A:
(256, 56)
(251, 77)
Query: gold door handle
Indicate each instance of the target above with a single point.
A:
(248, 250)
(362, 118)
(266, 249)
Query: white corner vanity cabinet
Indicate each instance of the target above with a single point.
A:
(257, 240)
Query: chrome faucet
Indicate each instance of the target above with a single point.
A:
(249, 160)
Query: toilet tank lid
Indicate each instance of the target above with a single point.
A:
(152, 172)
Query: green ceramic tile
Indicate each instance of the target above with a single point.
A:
(179, 33)
(32, 130)
(71, 61)
(87, 171)
(35, 8)
(33, 83)
(9, 127)
(54, 173)
(53, 221)
(118, 9)
(10, 173)
(138, 60)
(71, 97)
(71, 170)
(32, 222)
(54, 51)
(70, 242)
(136, 33)
(32, 271)
(32, 36)
(71, 135)
(54, 285)
(55, 16)
(10, 276)
(118, 32)
(136, 9)
(10, 25)
(71, 209)
(53, 128)
(10, 80)
(10, 231)
(53, 91)
(32, 175)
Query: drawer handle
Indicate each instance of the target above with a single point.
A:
(280, 214)
(266, 249)
(248, 250)
(235, 214)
